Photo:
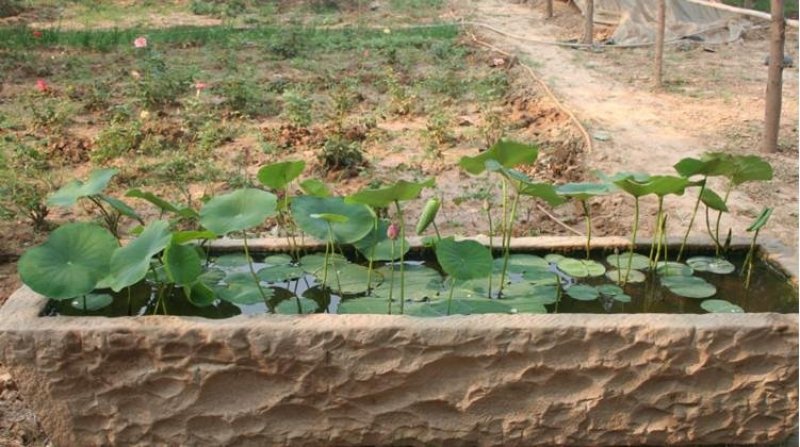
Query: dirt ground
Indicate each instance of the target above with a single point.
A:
(713, 101)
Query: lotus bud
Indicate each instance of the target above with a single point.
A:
(392, 231)
(428, 214)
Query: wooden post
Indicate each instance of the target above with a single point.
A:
(772, 115)
(549, 8)
(588, 32)
(658, 75)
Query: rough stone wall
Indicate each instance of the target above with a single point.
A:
(377, 380)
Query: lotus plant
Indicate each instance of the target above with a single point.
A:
(582, 192)
(755, 228)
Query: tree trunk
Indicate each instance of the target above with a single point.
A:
(588, 32)
(658, 75)
(772, 116)
(549, 8)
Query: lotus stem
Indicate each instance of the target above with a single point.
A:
(657, 231)
(84, 305)
(691, 220)
(402, 256)
(588, 217)
(664, 243)
(711, 233)
(333, 252)
(749, 260)
(253, 271)
(436, 229)
(558, 292)
(325, 267)
(450, 295)
(130, 309)
(371, 257)
(503, 227)
(719, 215)
(491, 244)
(661, 238)
(507, 244)
(391, 280)
(633, 240)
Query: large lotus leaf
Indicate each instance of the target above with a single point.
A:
(420, 282)
(713, 200)
(709, 264)
(662, 185)
(620, 261)
(689, 286)
(129, 264)
(280, 273)
(200, 294)
(458, 307)
(524, 292)
(278, 175)
(583, 292)
(749, 168)
(70, 263)
(359, 218)
(738, 168)
(581, 268)
(363, 306)
(507, 153)
(721, 307)
(520, 263)
(69, 194)
(296, 306)
(761, 220)
(314, 263)
(244, 292)
(525, 186)
(671, 268)
(464, 259)
(583, 191)
(383, 197)
(479, 287)
(182, 263)
(618, 276)
(182, 237)
(349, 279)
(92, 301)
(377, 246)
(238, 210)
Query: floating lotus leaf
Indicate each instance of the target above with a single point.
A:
(232, 260)
(212, 276)
(583, 292)
(359, 218)
(620, 261)
(315, 262)
(421, 283)
(69, 194)
(70, 263)
(238, 210)
(689, 286)
(92, 301)
(280, 273)
(296, 306)
(519, 263)
(377, 245)
(541, 276)
(243, 292)
(673, 269)
(129, 264)
(610, 289)
(458, 307)
(507, 153)
(526, 307)
(398, 192)
(553, 258)
(581, 268)
(720, 307)
(709, 264)
(622, 298)
(476, 288)
(618, 276)
(277, 260)
(464, 259)
(524, 292)
(278, 175)
(366, 305)
(351, 279)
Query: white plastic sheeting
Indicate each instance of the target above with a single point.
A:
(635, 20)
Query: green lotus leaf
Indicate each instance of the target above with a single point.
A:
(232, 260)
(359, 218)
(70, 263)
(200, 294)
(541, 276)
(622, 298)
(349, 279)
(315, 262)
(377, 246)
(553, 258)
(476, 288)
(673, 269)
(618, 276)
(296, 306)
(525, 186)
(162, 204)
(421, 283)
(761, 220)
(243, 292)
(122, 208)
(458, 307)
(720, 307)
(69, 194)
(129, 264)
(750, 168)
(507, 153)
(363, 306)
(713, 200)
(279, 175)
(464, 259)
(280, 273)
(709, 264)
(620, 261)
(520, 263)
(182, 263)
(211, 277)
(397, 192)
(92, 301)
(581, 268)
(583, 191)
(315, 188)
(238, 210)
(521, 292)
(330, 217)
(279, 259)
(583, 292)
(182, 237)
(610, 290)
(689, 286)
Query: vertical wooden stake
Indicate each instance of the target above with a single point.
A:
(658, 75)
(772, 115)
(588, 33)
(549, 8)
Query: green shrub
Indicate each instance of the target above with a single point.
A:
(340, 154)
(296, 108)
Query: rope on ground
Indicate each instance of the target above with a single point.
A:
(558, 221)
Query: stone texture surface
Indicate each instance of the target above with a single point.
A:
(376, 380)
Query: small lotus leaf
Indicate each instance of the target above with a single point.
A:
(232, 260)
(421, 282)
(524, 292)
(618, 276)
(280, 273)
(315, 262)
(581, 268)
(541, 276)
(507, 153)
(92, 301)
(622, 298)
(363, 306)
(689, 286)
(713, 200)
(670, 268)
(359, 218)
(476, 288)
(349, 279)
(398, 192)
(242, 292)
(610, 290)
(520, 263)
(280, 259)
(553, 258)
(238, 210)
(70, 263)
(459, 307)
(279, 175)
(69, 194)
(583, 292)
(315, 188)
(583, 191)
(211, 277)
(709, 264)
(200, 294)
(620, 261)
(720, 307)
(296, 306)
(122, 208)
(464, 259)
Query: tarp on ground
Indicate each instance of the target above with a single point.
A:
(635, 20)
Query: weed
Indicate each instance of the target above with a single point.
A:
(340, 154)
(117, 139)
(49, 113)
(246, 97)
(212, 134)
(296, 108)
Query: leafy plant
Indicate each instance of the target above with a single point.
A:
(462, 260)
(582, 192)
(755, 228)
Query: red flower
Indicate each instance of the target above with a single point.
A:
(140, 42)
(41, 85)
(37, 34)
(392, 232)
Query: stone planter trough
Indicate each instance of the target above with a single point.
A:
(564, 379)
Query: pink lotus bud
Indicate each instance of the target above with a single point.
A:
(200, 85)
(392, 231)
(41, 85)
(140, 42)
